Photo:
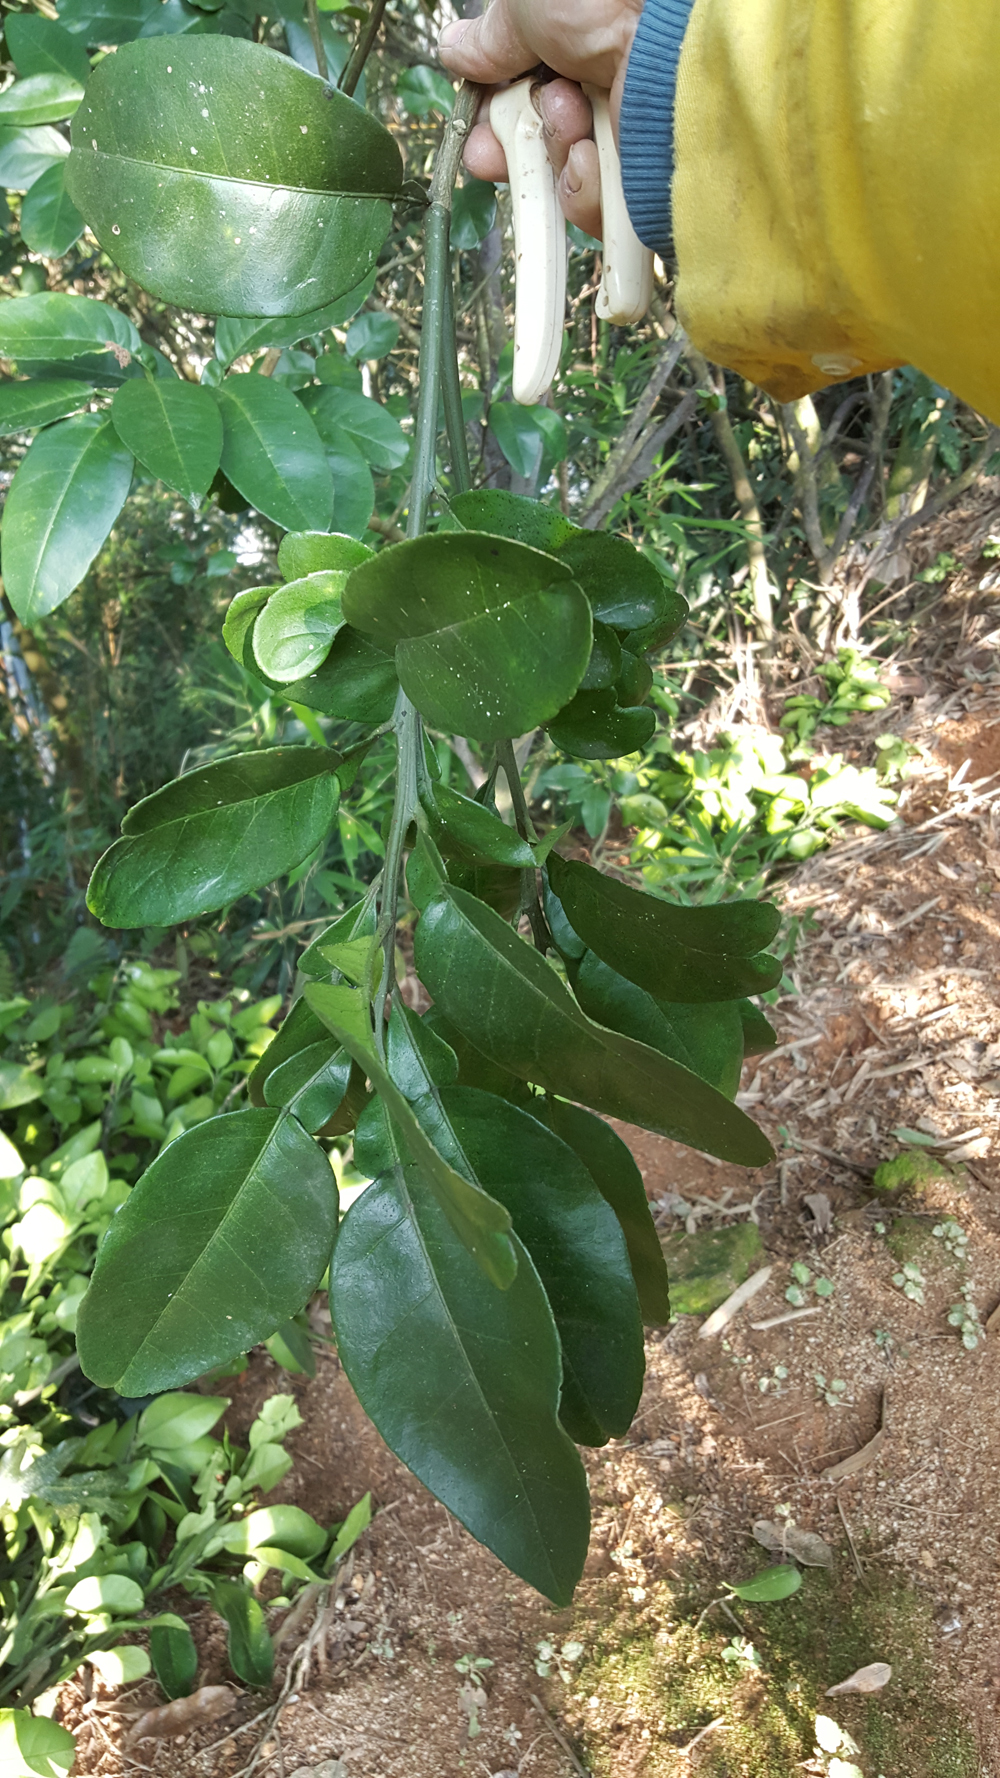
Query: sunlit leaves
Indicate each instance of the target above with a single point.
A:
(271, 452)
(58, 327)
(226, 179)
(63, 501)
(215, 834)
(41, 98)
(223, 1239)
(293, 634)
(25, 405)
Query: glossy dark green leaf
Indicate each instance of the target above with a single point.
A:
(605, 661)
(312, 1084)
(511, 1004)
(40, 98)
(237, 335)
(175, 430)
(318, 960)
(635, 681)
(224, 1238)
(215, 834)
(299, 1031)
(707, 1038)
(674, 953)
(353, 486)
(495, 884)
(461, 1380)
(529, 437)
(467, 832)
(474, 211)
(421, 89)
(62, 503)
(228, 180)
(294, 631)
(371, 336)
(474, 1070)
(758, 1034)
(106, 21)
(618, 1179)
(50, 221)
(250, 1649)
(491, 638)
(174, 1657)
(380, 438)
(419, 1059)
(26, 154)
(479, 1222)
(593, 727)
(356, 682)
(310, 552)
(25, 405)
(272, 453)
(624, 588)
(578, 1250)
(60, 328)
(42, 46)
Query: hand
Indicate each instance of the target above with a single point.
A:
(582, 40)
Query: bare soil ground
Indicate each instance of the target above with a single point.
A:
(895, 1024)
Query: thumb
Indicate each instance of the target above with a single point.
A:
(487, 49)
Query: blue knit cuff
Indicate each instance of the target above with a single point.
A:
(646, 132)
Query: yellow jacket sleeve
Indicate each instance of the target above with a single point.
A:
(836, 195)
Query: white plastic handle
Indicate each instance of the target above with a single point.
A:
(627, 284)
(539, 242)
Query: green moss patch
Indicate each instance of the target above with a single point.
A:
(913, 1171)
(707, 1267)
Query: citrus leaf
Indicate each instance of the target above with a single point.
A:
(250, 1649)
(32, 1745)
(293, 634)
(312, 1083)
(58, 327)
(174, 1657)
(272, 453)
(40, 98)
(23, 406)
(491, 637)
(310, 552)
(224, 1239)
(593, 727)
(215, 834)
(237, 335)
(619, 1180)
(466, 831)
(479, 1222)
(42, 46)
(25, 155)
(62, 503)
(175, 430)
(354, 488)
(50, 221)
(461, 1380)
(380, 438)
(512, 1006)
(674, 953)
(228, 180)
(707, 1037)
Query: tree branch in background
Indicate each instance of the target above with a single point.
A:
(630, 461)
(807, 492)
(761, 585)
(316, 39)
(362, 49)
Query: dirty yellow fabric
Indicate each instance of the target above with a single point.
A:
(837, 190)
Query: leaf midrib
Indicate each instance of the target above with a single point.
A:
(386, 197)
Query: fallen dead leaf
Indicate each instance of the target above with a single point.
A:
(184, 1715)
(787, 1540)
(822, 1211)
(866, 1679)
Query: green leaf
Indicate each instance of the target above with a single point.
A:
(291, 1347)
(312, 552)
(174, 1657)
(461, 1381)
(481, 1224)
(237, 335)
(380, 439)
(295, 630)
(577, 1247)
(117, 1593)
(758, 1034)
(593, 727)
(107, 21)
(474, 211)
(371, 336)
(605, 661)
(624, 588)
(280, 1527)
(297, 1032)
(18, 1085)
(619, 1180)
(354, 488)
(491, 637)
(23, 406)
(707, 1037)
(312, 1083)
(228, 180)
(272, 453)
(224, 1238)
(419, 1059)
(526, 434)
(34, 1746)
(356, 682)
(318, 960)
(40, 98)
(635, 682)
(422, 89)
(175, 430)
(62, 503)
(355, 1525)
(25, 155)
(177, 1420)
(41, 46)
(513, 1007)
(674, 953)
(57, 327)
(251, 1651)
(215, 834)
(466, 831)
(779, 1582)
(50, 221)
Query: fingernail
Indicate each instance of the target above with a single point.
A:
(568, 179)
(452, 34)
